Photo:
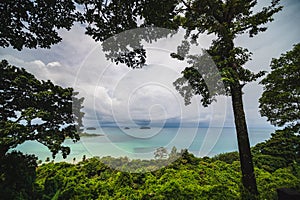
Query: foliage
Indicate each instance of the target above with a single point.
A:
(36, 110)
(268, 162)
(186, 178)
(161, 152)
(17, 176)
(36, 23)
(281, 178)
(107, 19)
(281, 150)
(281, 96)
(227, 20)
(229, 157)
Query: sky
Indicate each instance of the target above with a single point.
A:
(116, 95)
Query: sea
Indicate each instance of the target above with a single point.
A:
(137, 143)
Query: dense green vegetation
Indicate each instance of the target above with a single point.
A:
(177, 176)
(185, 178)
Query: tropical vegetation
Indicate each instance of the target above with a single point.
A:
(45, 112)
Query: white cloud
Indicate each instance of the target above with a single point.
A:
(54, 64)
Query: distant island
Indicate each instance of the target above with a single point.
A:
(90, 128)
(145, 127)
(83, 134)
(126, 127)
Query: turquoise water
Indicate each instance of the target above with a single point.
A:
(141, 143)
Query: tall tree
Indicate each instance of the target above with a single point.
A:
(280, 101)
(36, 110)
(225, 19)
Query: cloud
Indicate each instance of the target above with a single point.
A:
(54, 64)
(115, 93)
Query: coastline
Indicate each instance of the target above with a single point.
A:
(118, 143)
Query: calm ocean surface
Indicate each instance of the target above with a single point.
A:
(141, 143)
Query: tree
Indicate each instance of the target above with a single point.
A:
(281, 150)
(83, 158)
(34, 24)
(36, 110)
(173, 155)
(226, 19)
(105, 19)
(280, 101)
(161, 153)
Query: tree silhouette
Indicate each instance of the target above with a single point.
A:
(36, 110)
(36, 23)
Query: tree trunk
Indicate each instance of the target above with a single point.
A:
(248, 176)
